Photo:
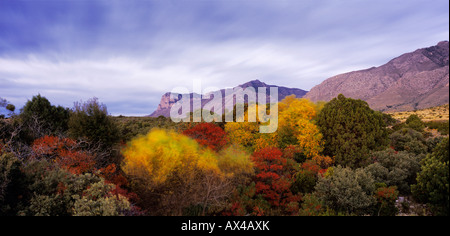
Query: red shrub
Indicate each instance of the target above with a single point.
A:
(65, 153)
(274, 178)
(209, 135)
(50, 146)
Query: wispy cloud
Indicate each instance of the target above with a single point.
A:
(129, 53)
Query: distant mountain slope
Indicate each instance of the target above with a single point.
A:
(415, 80)
(166, 102)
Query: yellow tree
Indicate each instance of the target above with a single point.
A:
(242, 133)
(297, 127)
(247, 133)
(172, 172)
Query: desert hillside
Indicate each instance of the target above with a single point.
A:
(412, 81)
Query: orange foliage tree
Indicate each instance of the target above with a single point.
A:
(68, 154)
(65, 153)
(274, 177)
(323, 161)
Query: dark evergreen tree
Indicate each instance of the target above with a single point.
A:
(433, 180)
(351, 130)
(90, 121)
(11, 184)
(409, 140)
(395, 168)
(42, 118)
(415, 123)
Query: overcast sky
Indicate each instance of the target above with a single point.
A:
(129, 53)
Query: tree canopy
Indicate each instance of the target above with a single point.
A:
(351, 130)
(44, 118)
(90, 120)
(432, 181)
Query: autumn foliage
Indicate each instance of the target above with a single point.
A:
(297, 126)
(324, 159)
(274, 176)
(243, 133)
(178, 172)
(386, 197)
(65, 153)
(208, 134)
(68, 154)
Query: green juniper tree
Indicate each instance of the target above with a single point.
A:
(90, 120)
(42, 118)
(433, 180)
(415, 123)
(351, 130)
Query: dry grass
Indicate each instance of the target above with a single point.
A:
(439, 113)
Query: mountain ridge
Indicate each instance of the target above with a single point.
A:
(413, 80)
(167, 102)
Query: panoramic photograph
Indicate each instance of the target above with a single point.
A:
(224, 109)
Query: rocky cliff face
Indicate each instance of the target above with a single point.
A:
(165, 105)
(166, 102)
(415, 80)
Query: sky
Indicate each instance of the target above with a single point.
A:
(129, 53)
